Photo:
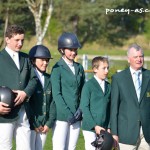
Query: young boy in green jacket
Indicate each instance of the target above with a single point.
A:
(95, 102)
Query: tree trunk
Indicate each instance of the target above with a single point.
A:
(37, 9)
(2, 44)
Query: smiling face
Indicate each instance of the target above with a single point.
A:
(41, 64)
(69, 54)
(135, 58)
(15, 43)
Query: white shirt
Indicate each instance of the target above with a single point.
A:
(133, 75)
(14, 55)
(101, 83)
(70, 65)
(40, 76)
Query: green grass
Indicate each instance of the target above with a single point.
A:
(48, 144)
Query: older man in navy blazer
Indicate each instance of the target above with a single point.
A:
(130, 115)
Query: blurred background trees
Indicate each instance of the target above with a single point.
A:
(47, 19)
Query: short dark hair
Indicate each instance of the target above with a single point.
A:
(13, 30)
(96, 60)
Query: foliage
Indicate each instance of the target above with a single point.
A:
(18, 13)
(86, 18)
(147, 25)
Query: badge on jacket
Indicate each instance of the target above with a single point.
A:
(148, 94)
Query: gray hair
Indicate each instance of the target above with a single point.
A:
(135, 46)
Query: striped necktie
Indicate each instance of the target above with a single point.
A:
(137, 83)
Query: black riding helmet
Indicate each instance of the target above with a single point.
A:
(7, 96)
(39, 51)
(104, 141)
(68, 40)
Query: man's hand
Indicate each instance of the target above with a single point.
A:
(98, 129)
(116, 138)
(42, 129)
(116, 142)
(4, 109)
(45, 129)
(39, 129)
(21, 96)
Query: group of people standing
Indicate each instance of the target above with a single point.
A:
(64, 102)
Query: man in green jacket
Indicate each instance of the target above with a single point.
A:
(130, 111)
(17, 74)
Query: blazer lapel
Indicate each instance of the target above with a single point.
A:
(21, 61)
(107, 88)
(130, 85)
(145, 81)
(97, 86)
(47, 81)
(76, 69)
(64, 65)
(8, 57)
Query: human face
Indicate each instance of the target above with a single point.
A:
(135, 59)
(70, 54)
(102, 71)
(15, 43)
(41, 64)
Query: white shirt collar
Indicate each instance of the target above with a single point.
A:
(69, 64)
(40, 74)
(10, 52)
(100, 82)
(133, 71)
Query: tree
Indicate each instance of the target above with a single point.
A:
(37, 9)
(125, 25)
(8, 15)
(86, 18)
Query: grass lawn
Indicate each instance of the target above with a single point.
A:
(48, 144)
(80, 144)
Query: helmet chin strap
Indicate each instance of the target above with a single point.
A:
(62, 51)
(39, 69)
(67, 59)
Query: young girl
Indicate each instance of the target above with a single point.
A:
(67, 81)
(42, 107)
(95, 102)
